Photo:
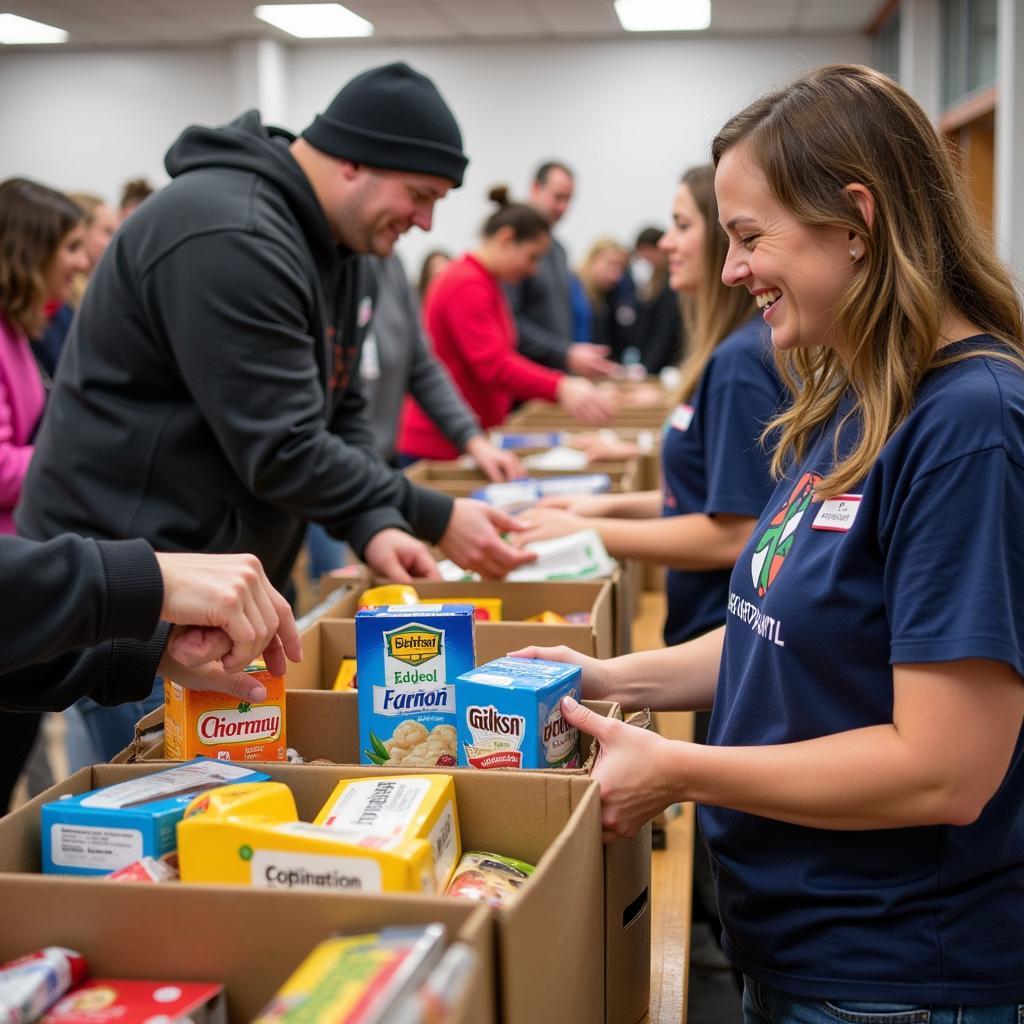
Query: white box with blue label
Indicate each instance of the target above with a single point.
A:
(510, 716)
(408, 658)
(98, 832)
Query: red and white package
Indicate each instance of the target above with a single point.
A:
(148, 869)
(109, 1000)
(32, 983)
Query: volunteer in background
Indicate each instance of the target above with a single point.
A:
(542, 301)
(72, 593)
(433, 263)
(861, 794)
(100, 225)
(208, 397)
(396, 361)
(41, 252)
(716, 473)
(470, 324)
(135, 192)
(659, 327)
(604, 301)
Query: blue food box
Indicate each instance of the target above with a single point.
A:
(518, 495)
(98, 832)
(510, 717)
(534, 439)
(407, 659)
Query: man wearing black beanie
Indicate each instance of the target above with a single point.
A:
(208, 399)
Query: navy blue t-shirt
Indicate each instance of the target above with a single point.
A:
(713, 462)
(921, 562)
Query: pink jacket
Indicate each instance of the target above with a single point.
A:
(21, 404)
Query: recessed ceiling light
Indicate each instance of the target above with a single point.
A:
(15, 29)
(314, 21)
(663, 15)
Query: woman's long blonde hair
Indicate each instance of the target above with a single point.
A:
(926, 253)
(586, 274)
(714, 311)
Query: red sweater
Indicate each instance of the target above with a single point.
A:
(473, 332)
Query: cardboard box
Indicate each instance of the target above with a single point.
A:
(538, 415)
(324, 724)
(519, 602)
(100, 832)
(460, 480)
(550, 942)
(250, 941)
(339, 600)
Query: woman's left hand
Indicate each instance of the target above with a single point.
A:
(631, 769)
(544, 523)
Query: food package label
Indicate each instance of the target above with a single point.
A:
(510, 716)
(386, 813)
(258, 841)
(216, 725)
(97, 833)
(408, 656)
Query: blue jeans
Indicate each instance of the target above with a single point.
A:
(764, 1005)
(325, 553)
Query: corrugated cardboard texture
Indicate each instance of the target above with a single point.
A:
(520, 601)
(553, 821)
(248, 940)
(323, 725)
(460, 481)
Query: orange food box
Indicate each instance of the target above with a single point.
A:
(199, 722)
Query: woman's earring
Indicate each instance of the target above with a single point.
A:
(853, 254)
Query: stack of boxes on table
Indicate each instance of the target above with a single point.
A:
(446, 840)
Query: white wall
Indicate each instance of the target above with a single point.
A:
(90, 121)
(628, 116)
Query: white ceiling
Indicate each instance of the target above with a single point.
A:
(94, 24)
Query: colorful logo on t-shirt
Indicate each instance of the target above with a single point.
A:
(777, 541)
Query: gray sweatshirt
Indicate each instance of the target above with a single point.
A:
(543, 309)
(397, 361)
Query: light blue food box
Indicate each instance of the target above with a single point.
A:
(517, 495)
(536, 439)
(408, 658)
(98, 832)
(509, 715)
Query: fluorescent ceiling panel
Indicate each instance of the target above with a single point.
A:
(17, 30)
(663, 15)
(314, 21)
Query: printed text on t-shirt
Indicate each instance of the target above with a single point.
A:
(763, 625)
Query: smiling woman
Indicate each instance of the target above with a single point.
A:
(861, 788)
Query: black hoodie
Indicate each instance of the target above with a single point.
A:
(207, 399)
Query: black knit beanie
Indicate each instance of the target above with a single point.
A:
(392, 117)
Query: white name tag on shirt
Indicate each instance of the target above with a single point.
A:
(837, 514)
(682, 417)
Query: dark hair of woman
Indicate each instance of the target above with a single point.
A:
(526, 223)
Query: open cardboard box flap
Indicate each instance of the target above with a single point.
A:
(551, 821)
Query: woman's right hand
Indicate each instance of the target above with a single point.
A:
(591, 505)
(597, 681)
(586, 403)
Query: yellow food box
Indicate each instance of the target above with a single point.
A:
(388, 812)
(353, 979)
(199, 722)
(252, 836)
(346, 677)
(491, 606)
